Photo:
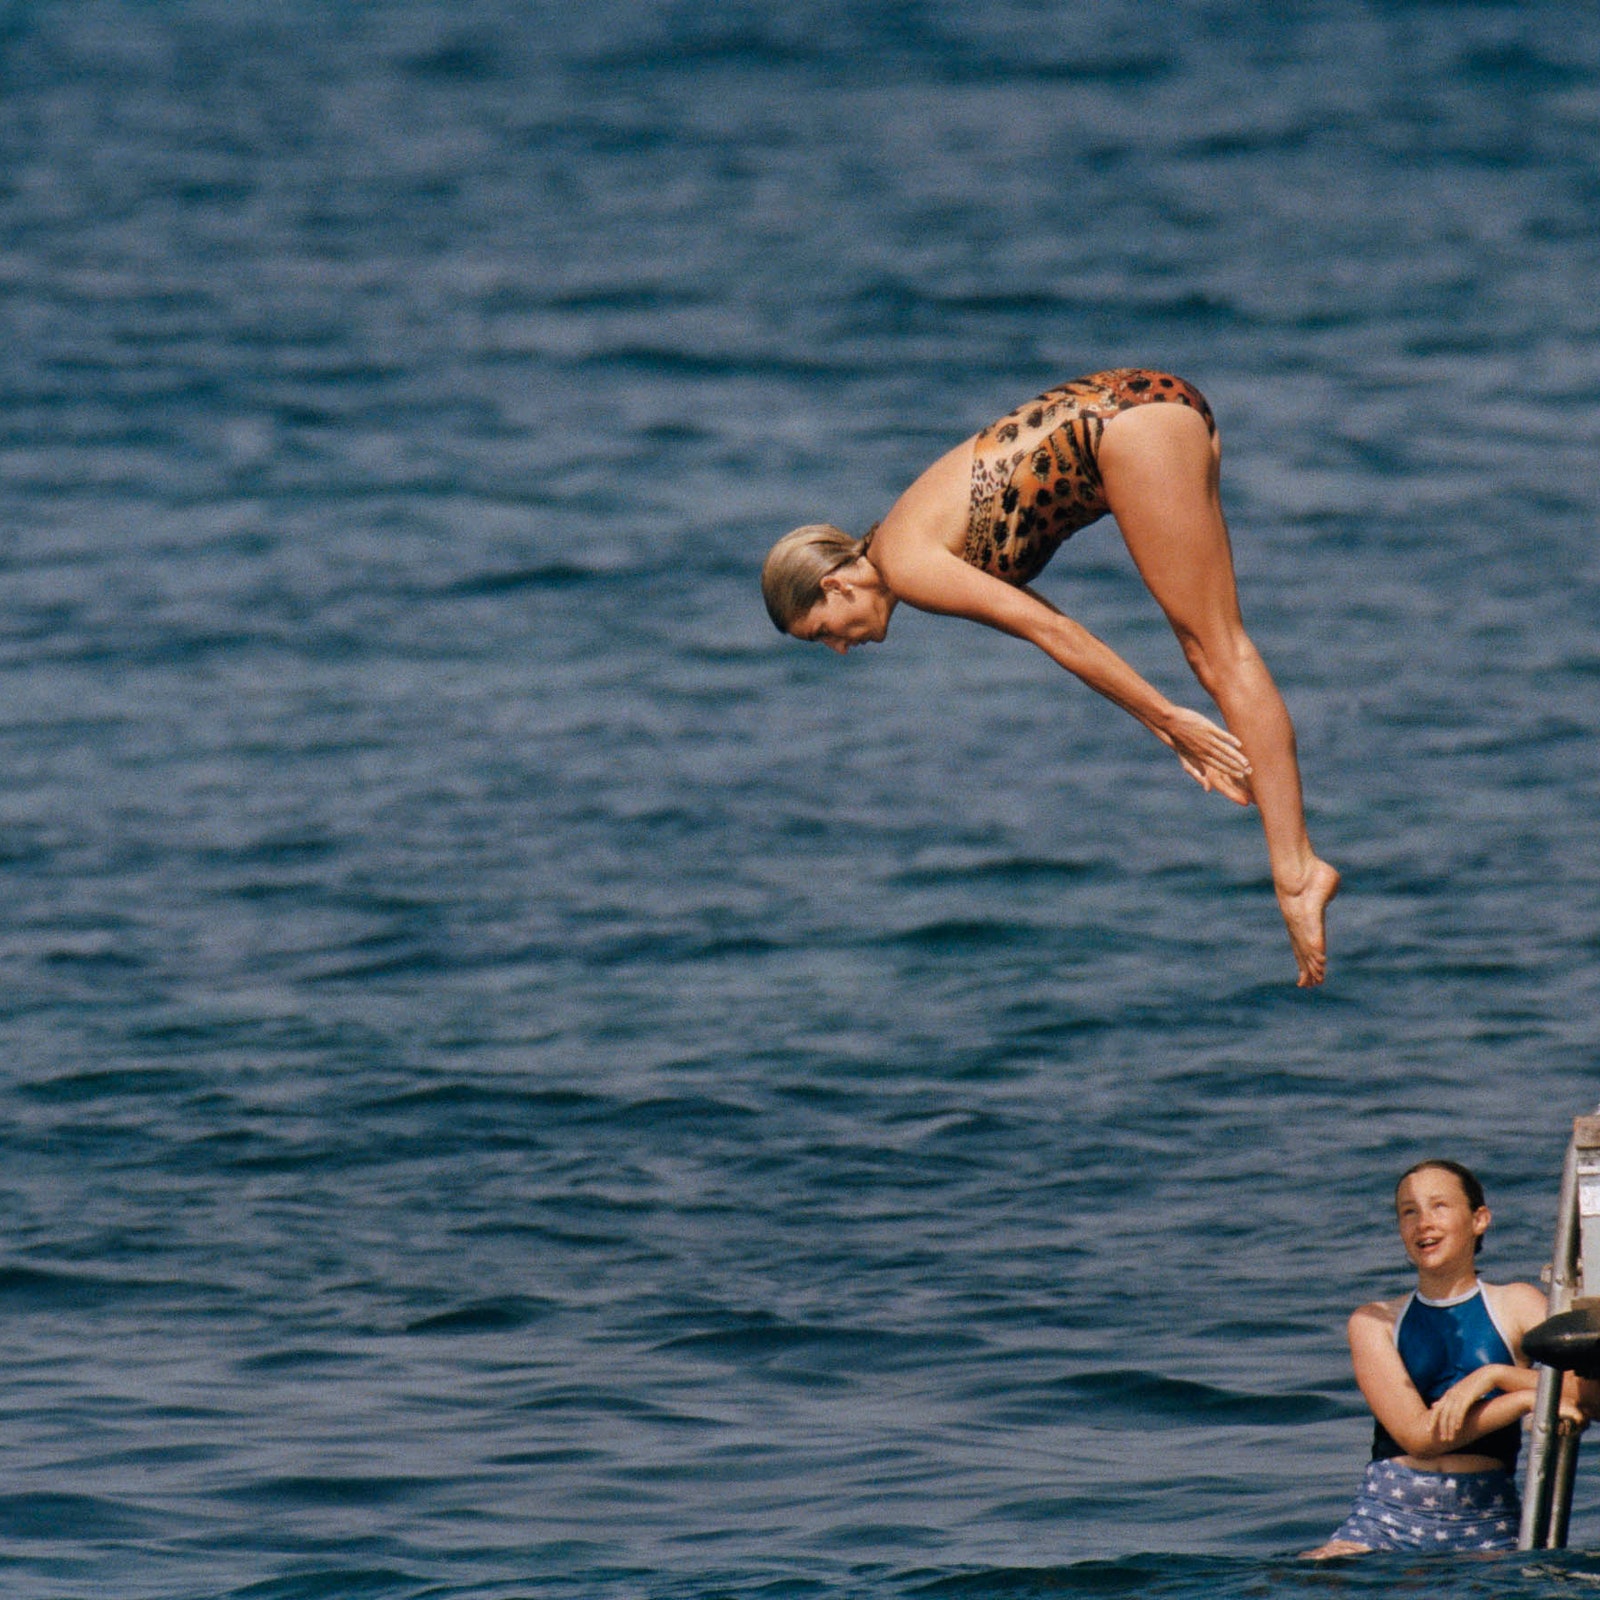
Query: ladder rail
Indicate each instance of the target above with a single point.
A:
(1553, 1456)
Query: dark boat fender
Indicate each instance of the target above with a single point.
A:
(1569, 1341)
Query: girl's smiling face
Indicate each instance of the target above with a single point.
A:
(1438, 1225)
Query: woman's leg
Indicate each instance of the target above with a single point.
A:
(1160, 467)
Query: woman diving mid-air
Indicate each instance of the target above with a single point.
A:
(973, 531)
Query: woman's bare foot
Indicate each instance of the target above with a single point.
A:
(1304, 912)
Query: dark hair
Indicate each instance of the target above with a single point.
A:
(1465, 1176)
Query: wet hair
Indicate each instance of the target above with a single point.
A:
(792, 574)
(1465, 1176)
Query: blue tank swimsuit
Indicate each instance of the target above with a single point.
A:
(1440, 1342)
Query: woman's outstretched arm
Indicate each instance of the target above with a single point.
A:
(931, 578)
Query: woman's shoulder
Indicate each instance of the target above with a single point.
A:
(933, 509)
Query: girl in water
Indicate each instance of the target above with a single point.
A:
(1444, 1373)
(973, 531)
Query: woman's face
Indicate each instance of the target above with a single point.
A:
(1438, 1226)
(854, 609)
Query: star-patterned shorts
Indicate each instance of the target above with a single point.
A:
(1399, 1508)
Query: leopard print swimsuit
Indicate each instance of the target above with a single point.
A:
(1026, 503)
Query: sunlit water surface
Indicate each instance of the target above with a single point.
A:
(517, 1080)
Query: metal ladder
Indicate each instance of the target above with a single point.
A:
(1569, 1341)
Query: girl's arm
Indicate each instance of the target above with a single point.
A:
(1395, 1402)
(1464, 1411)
(1385, 1384)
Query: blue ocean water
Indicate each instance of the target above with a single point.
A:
(516, 1080)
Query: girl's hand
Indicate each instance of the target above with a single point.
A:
(1577, 1395)
(1449, 1411)
(1212, 756)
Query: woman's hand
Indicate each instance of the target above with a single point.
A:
(1212, 756)
(924, 574)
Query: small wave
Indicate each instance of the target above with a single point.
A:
(299, 1359)
(108, 1083)
(1178, 1400)
(1151, 1398)
(1144, 1575)
(543, 1233)
(1155, 1576)
(584, 1401)
(459, 60)
(484, 1316)
(649, 298)
(91, 960)
(1008, 871)
(652, 948)
(546, 575)
(683, 363)
(477, 1097)
(349, 967)
(764, 1339)
(739, 44)
(1513, 64)
(335, 1583)
(1247, 140)
(33, 1289)
(1058, 1029)
(69, 1516)
(693, 1111)
(355, 1490)
(286, 850)
(961, 933)
(1112, 69)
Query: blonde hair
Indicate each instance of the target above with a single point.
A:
(792, 574)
